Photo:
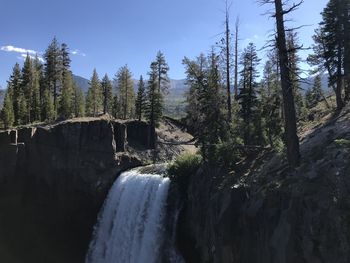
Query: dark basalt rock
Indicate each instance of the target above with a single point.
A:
(60, 176)
(270, 213)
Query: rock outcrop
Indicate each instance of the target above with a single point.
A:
(54, 179)
(270, 213)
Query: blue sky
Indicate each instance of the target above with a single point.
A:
(107, 34)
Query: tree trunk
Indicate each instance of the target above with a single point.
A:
(228, 84)
(338, 88)
(291, 136)
(236, 59)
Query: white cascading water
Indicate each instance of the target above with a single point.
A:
(131, 225)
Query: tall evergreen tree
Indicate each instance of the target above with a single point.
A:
(94, 96)
(7, 112)
(331, 38)
(204, 78)
(247, 95)
(48, 110)
(140, 101)
(295, 72)
(271, 102)
(15, 84)
(315, 94)
(35, 101)
(154, 106)
(27, 81)
(78, 101)
(106, 86)
(67, 95)
(116, 107)
(162, 73)
(126, 92)
(53, 71)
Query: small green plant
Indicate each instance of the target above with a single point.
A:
(343, 142)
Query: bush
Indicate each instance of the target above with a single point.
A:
(226, 154)
(185, 165)
(182, 168)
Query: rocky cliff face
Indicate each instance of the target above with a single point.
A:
(53, 181)
(269, 213)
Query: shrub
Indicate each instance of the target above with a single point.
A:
(182, 168)
(226, 154)
(184, 165)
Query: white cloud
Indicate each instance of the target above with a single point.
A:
(23, 57)
(78, 53)
(10, 48)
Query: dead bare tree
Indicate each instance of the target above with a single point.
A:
(236, 57)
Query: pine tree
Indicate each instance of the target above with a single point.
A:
(107, 95)
(94, 96)
(315, 94)
(126, 92)
(116, 107)
(153, 111)
(332, 34)
(27, 81)
(35, 101)
(247, 95)
(7, 112)
(295, 72)
(162, 73)
(78, 101)
(48, 110)
(53, 71)
(140, 101)
(15, 84)
(204, 79)
(271, 102)
(64, 59)
(67, 94)
(193, 110)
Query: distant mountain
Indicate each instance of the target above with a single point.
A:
(309, 82)
(83, 83)
(174, 100)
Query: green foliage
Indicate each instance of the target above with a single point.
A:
(94, 96)
(35, 105)
(78, 101)
(343, 142)
(126, 93)
(206, 111)
(247, 97)
(48, 107)
(15, 85)
(107, 94)
(116, 107)
(7, 113)
(183, 167)
(227, 153)
(315, 94)
(53, 70)
(66, 99)
(140, 101)
(154, 104)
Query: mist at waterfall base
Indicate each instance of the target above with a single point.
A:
(131, 224)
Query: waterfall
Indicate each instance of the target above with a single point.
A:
(130, 228)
